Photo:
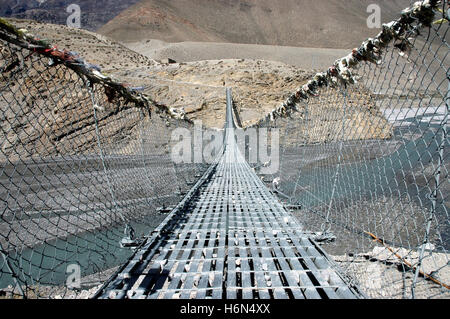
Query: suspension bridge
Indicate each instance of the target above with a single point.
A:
(230, 238)
(85, 159)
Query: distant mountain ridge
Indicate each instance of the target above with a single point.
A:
(301, 23)
(94, 13)
(339, 24)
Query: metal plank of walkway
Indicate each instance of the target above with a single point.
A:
(230, 238)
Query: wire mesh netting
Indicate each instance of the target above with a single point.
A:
(81, 169)
(365, 166)
(86, 169)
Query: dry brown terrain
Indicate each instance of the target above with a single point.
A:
(199, 87)
(304, 58)
(301, 23)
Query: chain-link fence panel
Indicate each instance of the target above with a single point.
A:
(85, 170)
(364, 157)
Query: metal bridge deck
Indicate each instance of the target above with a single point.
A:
(230, 238)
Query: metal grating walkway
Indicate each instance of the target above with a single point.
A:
(229, 238)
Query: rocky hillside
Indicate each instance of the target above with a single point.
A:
(301, 23)
(94, 48)
(94, 13)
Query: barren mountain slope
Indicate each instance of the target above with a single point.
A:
(94, 13)
(94, 48)
(304, 23)
(304, 58)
